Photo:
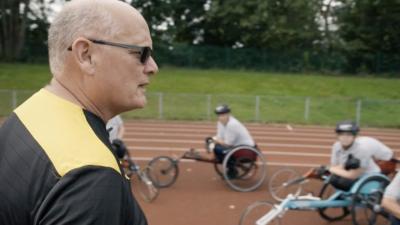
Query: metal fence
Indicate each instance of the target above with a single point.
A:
(266, 109)
(299, 60)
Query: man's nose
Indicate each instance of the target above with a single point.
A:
(151, 67)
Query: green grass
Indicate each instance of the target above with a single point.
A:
(177, 80)
(282, 96)
(24, 76)
(174, 80)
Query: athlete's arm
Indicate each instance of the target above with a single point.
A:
(349, 174)
(392, 206)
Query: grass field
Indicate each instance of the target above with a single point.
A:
(282, 96)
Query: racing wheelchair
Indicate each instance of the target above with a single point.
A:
(142, 183)
(361, 200)
(247, 162)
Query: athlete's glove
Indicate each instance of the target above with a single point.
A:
(119, 147)
(322, 170)
(209, 140)
(352, 163)
(210, 144)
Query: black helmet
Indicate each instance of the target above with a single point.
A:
(347, 126)
(222, 109)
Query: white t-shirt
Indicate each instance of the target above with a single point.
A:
(366, 149)
(234, 133)
(115, 123)
(393, 189)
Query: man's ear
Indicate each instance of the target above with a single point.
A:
(82, 51)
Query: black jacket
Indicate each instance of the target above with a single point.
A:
(57, 167)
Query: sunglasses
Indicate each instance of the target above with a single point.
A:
(144, 52)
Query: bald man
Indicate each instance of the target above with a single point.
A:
(56, 163)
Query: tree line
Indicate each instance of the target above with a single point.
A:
(365, 33)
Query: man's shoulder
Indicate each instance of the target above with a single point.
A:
(336, 146)
(64, 133)
(366, 139)
(233, 122)
(368, 142)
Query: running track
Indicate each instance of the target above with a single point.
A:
(199, 197)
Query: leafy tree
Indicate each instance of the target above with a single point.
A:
(369, 30)
(270, 24)
(13, 17)
(173, 20)
(23, 28)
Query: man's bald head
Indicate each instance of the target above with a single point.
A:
(102, 19)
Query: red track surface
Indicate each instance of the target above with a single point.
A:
(200, 197)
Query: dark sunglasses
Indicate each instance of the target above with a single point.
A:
(144, 52)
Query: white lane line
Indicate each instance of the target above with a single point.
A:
(205, 125)
(294, 134)
(318, 133)
(152, 140)
(259, 139)
(268, 163)
(136, 148)
(266, 145)
(202, 137)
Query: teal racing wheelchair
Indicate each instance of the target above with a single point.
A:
(360, 201)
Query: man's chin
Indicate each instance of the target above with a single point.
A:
(140, 104)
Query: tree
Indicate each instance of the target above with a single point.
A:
(23, 27)
(270, 24)
(173, 20)
(369, 31)
(13, 16)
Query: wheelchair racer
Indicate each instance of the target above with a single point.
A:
(230, 133)
(353, 155)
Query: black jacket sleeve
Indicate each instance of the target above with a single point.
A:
(90, 196)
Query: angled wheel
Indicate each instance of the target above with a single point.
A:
(255, 211)
(368, 194)
(331, 214)
(218, 168)
(146, 188)
(284, 182)
(244, 168)
(162, 171)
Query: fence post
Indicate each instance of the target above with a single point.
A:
(14, 99)
(257, 109)
(306, 108)
(190, 57)
(227, 57)
(208, 107)
(160, 105)
(358, 111)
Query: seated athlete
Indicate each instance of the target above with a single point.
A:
(353, 155)
(230, 133)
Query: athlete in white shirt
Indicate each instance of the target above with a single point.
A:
(230, 133)
(353, 155)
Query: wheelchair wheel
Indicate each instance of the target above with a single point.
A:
(279, 184)
(368, 194)
(163, 171)
(331, 214)
(244, 168)
(218, 168)
(146, 188)
(255, 211)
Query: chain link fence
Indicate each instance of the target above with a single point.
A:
(264, 109)
(300, 60)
